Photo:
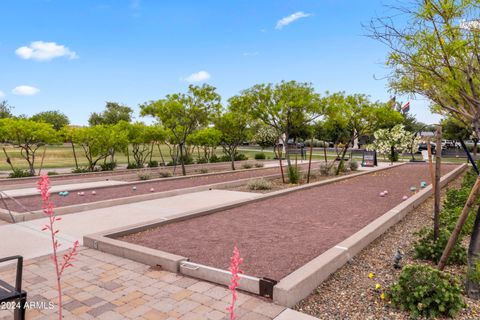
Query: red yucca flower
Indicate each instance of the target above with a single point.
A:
(235, 262)
(48, 209)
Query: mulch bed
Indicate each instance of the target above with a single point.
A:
(350, 294)
(277, 236)
(120, 191)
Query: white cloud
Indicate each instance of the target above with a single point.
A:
(25, 90)
(250, 54)
(44, 51)
(198, 76)
(285, 21)
(2, 94)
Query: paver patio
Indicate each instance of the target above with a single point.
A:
(103, 286)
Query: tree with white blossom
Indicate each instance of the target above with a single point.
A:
(393, 141)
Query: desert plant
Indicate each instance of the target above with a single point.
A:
(143, 176)
(20, 173)
(247, 165)
(133, 165)
(52, 173)
(259, 165)
(44, 188)
(80, 170)
(260, 156)
(426, 248)
(108, 166)
(235, 262)
(353, 165)
(152, 164)
(165, 174)
(259, 184)
(293, 175)
(327, 169)
(427, 292)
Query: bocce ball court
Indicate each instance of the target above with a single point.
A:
(280, 233)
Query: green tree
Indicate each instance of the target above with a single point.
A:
(113, 114)
(208, 139)
(285, 107)
(27, 135)
(436, 55)
(183, 113)
(5, 110)
(56, 118)
(67, 134)
(140, 137)
(234, 128)
(98, 142)
(357, 115)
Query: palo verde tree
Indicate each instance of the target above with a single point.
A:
(435, 53)
(284, 107)
(234, 128)
(113, 114)
(99, 141)
(56, 118)
(183, 113)
(206, 139)
(355, 115)
(140, 138)
(27, 135)
(5, 110)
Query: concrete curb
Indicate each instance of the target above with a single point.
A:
(300, 283)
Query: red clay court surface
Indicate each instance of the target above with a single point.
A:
(276, 236)
(33, 202)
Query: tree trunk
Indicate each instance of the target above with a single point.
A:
(460, 222)
(9, 161)
(340, 164)
(438, 164)
(182, 160)
(161, 154)
(325, 151)
(475, 143)
(281, 164)
(74, 154)
(232, 157)
(473, 287)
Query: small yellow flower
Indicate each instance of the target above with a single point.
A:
(382, 296)
(371, 275)
(377, 286)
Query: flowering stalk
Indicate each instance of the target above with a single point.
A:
(44, 187)
(235, 262)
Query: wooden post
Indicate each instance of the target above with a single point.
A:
(436, 184)
(460, 222)
(430, 163)
(310, 161)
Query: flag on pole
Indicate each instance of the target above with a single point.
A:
(406, 107)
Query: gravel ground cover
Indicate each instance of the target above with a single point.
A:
(125, 175)
(126, 190)
(278, 235)
(350, 293)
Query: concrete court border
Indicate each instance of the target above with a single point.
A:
(293, 287)
(36, 214)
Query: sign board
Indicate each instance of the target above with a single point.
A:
(369, 159)
(425, 155)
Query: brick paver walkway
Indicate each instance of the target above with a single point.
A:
(103, 286)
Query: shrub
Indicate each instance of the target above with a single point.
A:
(427, 292)
(393, 157)
(313, 175)
(108, 166)
(259, 184)
(20, 173)
(259, 165)
(327, 169)
(293, 175)
(353, 165)
(260, 156)
(201, 160)
(165, 174)
(143, 176)
(214, 158)
(133, 165)
(203, 170)
(153, 164)
(79, 170)
(238, 157)
(247, 165)
(52, 173)
(427, 249)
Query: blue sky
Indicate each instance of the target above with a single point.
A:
(73, 55)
